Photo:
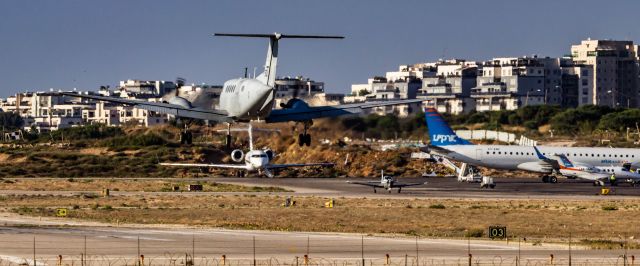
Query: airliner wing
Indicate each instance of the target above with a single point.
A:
(304, 112)
(371, 184)
(276, 166)
(233, 166)
(164, 108)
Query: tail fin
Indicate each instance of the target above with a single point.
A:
(269, 74)
(565, 161)
(439, 131)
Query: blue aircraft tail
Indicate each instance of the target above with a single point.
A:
(439, 131)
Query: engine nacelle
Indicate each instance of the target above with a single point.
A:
(270, 154)
(177, 100)
(295, 104)
(237, 156)
(536, 167)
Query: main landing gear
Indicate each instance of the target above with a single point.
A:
(186, 137)
(304, 138)
(228, 138)
(549, 179)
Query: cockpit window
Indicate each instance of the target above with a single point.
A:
(258, 156)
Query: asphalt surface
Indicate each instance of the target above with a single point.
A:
(435, 187)
(441, 187)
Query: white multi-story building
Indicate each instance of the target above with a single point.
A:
(154, 87)
(615, 70)
(46, 111)
(448, 91)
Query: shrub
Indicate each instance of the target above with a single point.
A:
(474, 233)
(436, 206)
(609, 208)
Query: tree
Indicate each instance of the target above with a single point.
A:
(10, 120)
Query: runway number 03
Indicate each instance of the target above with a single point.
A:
(497, 231)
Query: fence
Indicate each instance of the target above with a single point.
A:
(495, 135)
(187, 251)
(186, 260)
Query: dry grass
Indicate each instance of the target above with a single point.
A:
(122, 185)
(533, 219)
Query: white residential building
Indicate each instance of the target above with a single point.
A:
(615, 70)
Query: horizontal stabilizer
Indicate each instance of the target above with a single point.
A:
(278, 36)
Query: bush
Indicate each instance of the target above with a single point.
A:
(474, 233)
(135, 141)
(437, 206)
(609, 208)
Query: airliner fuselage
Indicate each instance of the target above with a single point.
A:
(509, 157)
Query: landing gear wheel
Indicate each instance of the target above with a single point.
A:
(545, 179)
(228, 142)
(189, 137)
(492, 186)
(307, 140)
(553, 179)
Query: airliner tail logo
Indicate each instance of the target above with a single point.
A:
(444, 138)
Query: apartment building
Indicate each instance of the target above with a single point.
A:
(615, 71)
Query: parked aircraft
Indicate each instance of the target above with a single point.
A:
(246, 99)
(598, 174)
(254, 160)
(386, 182)
(445, 143)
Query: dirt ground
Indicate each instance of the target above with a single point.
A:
(593, 221)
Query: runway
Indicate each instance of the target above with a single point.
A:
(436, 187)
(441, 187)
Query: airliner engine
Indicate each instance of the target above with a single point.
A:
(270, 154)
(237, 155)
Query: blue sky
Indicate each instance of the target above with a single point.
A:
(85, 44)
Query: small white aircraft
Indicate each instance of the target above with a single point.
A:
(247, 99)
(255, 160)
(597, 174)
(386, 182)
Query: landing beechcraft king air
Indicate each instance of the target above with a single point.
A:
(249, 99)
(544, 160)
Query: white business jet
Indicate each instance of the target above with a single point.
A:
(246, 99)
(254, 160)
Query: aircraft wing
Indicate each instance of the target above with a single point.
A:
(371, 183)
(408, 184)
(164, 108)
(304, 113)
(233, 166)
(276, 166)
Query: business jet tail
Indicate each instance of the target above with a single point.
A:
(440, 132)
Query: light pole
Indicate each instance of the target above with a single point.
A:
(613, 104)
